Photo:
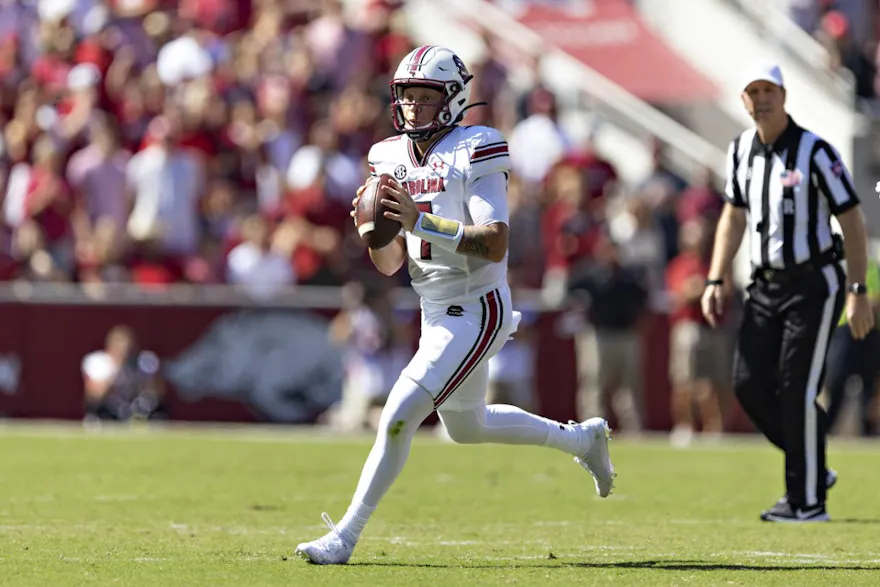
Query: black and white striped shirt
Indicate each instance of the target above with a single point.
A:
(790, 189)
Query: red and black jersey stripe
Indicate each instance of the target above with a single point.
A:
(490, 151)
(490, 325)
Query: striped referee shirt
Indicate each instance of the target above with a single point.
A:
(790, 189)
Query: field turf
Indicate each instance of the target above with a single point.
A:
(212, 507)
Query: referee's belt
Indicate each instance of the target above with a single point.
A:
(798, 271)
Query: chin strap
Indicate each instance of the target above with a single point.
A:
(468, 107)
(421, 135)
(424, 135)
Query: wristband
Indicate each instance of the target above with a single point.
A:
(714, 282)
(438, 231)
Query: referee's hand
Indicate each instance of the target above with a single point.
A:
(859, 315)
(712, 304)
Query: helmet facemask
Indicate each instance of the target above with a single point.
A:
(439, 69)
(450, 90)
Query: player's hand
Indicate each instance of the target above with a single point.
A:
(712, 304)
(403, 209)
(357, 198)
(859, 315)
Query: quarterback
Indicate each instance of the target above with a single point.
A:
(450, 198)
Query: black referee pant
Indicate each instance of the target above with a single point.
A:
(779, 368)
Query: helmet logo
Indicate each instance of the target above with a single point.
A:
(462, 70)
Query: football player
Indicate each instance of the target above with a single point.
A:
(450, 198)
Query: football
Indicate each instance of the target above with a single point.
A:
(374, 229)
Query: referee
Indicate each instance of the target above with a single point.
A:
(783, 184)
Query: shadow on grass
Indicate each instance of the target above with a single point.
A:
(698, 565)
(659, 565)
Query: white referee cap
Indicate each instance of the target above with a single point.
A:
(763, 71)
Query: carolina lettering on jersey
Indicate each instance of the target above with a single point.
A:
(790, 190)
(441, 182)
(430, 185)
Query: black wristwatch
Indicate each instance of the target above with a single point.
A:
(858, 289)
(714, 282)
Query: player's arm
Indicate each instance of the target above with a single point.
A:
(485, 241)
(486, 198)
(486, 201)
(389, 259)
(487, 205)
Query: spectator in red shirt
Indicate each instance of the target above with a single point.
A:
(49, 201)
(600, 176)
(568, 227)
(150, 267)
(218, 16)
(699, 363)
(700, 200)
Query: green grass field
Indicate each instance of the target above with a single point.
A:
(207, 507)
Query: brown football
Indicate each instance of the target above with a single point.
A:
(374, 229)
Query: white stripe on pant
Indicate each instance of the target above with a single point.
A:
(811, 424)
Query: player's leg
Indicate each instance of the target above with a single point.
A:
(451, 345)
(463, 394)
(468, 420)
(407, 407)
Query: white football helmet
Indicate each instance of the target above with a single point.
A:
(438, 68)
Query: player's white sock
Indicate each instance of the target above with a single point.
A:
(506, 424)
(355, 520)
(564, 437)
(407, 407)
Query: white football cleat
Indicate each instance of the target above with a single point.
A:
(331, 549)
(596, 459)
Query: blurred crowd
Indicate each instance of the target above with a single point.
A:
(220, 141)
(158, 141)
(162, 141)
(849, 30)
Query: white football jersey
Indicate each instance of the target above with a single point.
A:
(440, 184)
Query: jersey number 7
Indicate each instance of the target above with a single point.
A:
(425, 253)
